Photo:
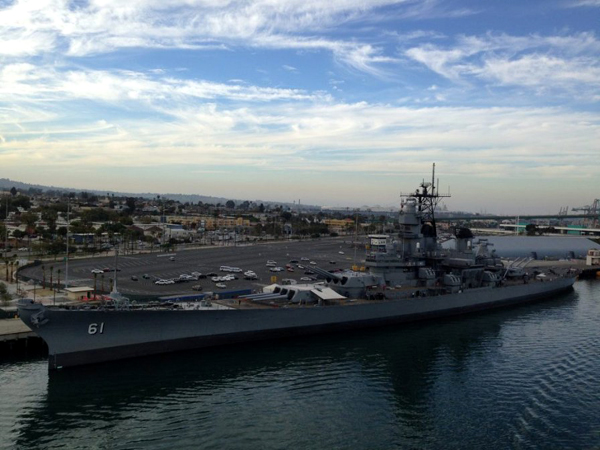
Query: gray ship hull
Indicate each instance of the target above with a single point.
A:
(77, 337)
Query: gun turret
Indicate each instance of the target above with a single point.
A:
(327, 275)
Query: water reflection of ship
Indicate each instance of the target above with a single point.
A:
(404, 360)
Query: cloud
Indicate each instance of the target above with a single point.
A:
(537, 70)
(300, 140)
(583, 3)
(545, 63)
(104, 26)
(433, 9)
(24, 81)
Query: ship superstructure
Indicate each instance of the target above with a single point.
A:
(415, 262)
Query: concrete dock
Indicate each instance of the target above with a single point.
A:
(13, 329)
(17, 339)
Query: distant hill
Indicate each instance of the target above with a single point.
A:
(6, 184)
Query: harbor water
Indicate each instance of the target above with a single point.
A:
(525, 378)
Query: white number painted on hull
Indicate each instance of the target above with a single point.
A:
(94, 328)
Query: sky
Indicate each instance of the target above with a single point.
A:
(338, 103)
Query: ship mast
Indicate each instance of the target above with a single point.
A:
(428, 198)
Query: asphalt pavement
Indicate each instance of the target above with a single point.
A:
(205, 260)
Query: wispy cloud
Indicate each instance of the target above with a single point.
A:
(434, 9)
(38, 28)
(583, 3)
(27, 81)
(569, 63)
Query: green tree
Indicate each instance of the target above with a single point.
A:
(4, 295)
(531, 229)
(50, 216)
(81, 227)
(126, 220)
(19, 234)
(21, 201)
(29, 219)
(130, 202)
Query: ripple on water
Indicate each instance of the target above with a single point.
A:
(519, 378)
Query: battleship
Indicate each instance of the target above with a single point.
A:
(408, 277)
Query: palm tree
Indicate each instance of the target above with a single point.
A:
(43, 276)
(95, 279)
(51, 277)
(58, 273)
(17, 274)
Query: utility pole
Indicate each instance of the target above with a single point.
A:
(6, 231)
(67, 260)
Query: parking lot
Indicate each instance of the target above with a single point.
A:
(327, 253)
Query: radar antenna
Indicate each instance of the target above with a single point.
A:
(428, 198)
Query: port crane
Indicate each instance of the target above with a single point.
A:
(592, 213)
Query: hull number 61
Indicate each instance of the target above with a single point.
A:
(96, 328)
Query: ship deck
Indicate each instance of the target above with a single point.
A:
(377, 295)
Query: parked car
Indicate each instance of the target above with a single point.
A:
(197, 287)
(134, 278)
(146, 276)
(97, 271)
